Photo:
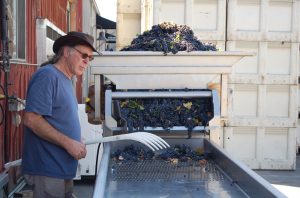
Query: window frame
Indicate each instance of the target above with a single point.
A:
(16, 45)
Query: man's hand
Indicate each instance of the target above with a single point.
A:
(76, 149)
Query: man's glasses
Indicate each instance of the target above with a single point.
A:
(84, 55)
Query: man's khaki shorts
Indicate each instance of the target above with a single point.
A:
(49, 187)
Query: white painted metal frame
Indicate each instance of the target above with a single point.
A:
(266, 15)
(129, 65)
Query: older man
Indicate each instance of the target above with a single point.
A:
(52, 143)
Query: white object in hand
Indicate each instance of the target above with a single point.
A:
(154, 142)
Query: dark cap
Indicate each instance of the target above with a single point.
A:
(72, 39)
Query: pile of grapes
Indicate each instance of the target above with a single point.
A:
(181, 153)
(169, 37)
(132, 153)
(165, 112)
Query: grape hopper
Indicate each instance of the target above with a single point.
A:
(161, 93)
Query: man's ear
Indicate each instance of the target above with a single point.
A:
(67, 51)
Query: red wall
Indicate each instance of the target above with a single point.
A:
(79, 28)
(19, 77)
(54, 11)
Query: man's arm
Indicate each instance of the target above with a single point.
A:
(45, 131)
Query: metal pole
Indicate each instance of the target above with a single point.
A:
(4, 36)
(6, 68)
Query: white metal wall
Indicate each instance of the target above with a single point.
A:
(128, 22)
(263, 90)
(263, 20)
(298, 129)
(207, 18)
(263, 102)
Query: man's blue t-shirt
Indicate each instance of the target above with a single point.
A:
(51, 94)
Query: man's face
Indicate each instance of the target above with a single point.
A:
(79, 57)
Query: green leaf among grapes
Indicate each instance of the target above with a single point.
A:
(188, 105)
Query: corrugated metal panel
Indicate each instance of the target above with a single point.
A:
(19, 77)
(31, 15)
(79, 89)
(55, 11)
(79, 28)
(79, 16)
(2, 103)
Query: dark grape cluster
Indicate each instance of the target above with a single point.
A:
(169, 37)
(134, 153)
(165, 112)
(181, 152)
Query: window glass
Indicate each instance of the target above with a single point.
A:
(16, 28)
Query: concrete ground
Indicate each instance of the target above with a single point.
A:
(288, 182)
(84, 188)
